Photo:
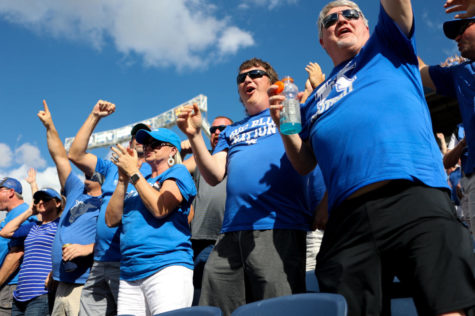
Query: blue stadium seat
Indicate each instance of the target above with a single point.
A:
(194, 311)
(311, 282)
(403, 307)
(299, 304)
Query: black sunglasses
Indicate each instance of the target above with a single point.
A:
(44, 199)
(213, 129)
(349, 14)
(253, 74)
(157, 144)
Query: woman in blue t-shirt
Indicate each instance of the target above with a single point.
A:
(156, 268)
(31, 294)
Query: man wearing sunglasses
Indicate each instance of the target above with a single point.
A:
(260, 252)
(458, 81)
(368, 127)
(99, 295)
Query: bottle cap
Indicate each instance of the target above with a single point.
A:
(288, 78)
(280, 86)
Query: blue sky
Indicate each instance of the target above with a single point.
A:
(148, 56)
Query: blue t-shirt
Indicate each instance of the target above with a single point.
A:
(458, 81)
(315, 188)
(6, 244)
(369, 121)
(36, 262)
(107, 245)
(77, 225)
(263, 190)
(149, 244)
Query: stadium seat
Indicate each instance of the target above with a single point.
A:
(403, 307)
(299, 304)
(194, 311)
(311, 282)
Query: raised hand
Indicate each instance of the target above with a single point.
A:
(468, 6)
(31, 178)
(315, 74)
(45, 115)
(188, 119)
(103, 108)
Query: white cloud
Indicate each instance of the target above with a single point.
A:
(6, 155)
(232, 39)
(179, 33)
(30, 156)
(270, 4)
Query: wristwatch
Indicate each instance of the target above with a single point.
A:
(134, 178)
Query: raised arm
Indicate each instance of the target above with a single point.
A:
(212, 167)
(401, 13)
(31, 179)
(55, 146)
(300, 153)
(77, 153)
(9, 229)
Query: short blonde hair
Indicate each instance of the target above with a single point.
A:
(334, 4)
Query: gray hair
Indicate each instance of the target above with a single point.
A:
(334, 4)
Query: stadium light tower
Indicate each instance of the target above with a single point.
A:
(122, 134)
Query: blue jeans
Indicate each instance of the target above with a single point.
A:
(34, 307)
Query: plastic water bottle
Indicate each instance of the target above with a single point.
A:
(290, 122)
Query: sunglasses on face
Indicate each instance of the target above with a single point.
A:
(157, 144)
(253, 74)
(349, 14)
(44, 199)
(213, 129)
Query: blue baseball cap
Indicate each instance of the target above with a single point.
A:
(456, 26)
(11, 183)
(47, 192)
(160, 134)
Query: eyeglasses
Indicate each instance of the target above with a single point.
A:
(158, 144)
(44, 199)
(213, 129)
(253, 74)
(349, 14)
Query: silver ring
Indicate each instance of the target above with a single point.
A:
(115, 157)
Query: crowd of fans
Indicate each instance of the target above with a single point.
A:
(146, 232)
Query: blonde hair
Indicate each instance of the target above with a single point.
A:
(334, 4)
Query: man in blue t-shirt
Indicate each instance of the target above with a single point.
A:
(74, 240)
(369, 128)
(11, 250)
(260, 252)
(458, 81)
(99, 295)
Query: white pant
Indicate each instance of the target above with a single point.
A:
(168, 289)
